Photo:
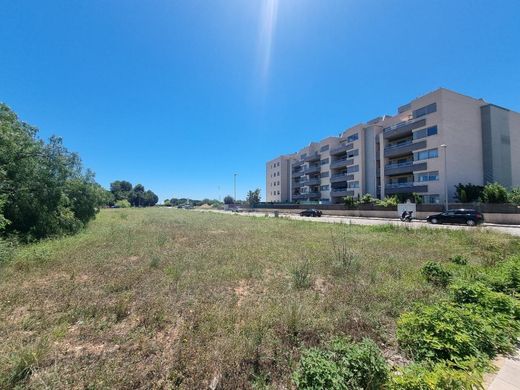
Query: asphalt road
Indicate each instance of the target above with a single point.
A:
(508, 229)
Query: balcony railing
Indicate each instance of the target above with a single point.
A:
(399, 165)
(399, 185)
(313, 157)
(400, 145)
(397, 125)
(312, 169)
(311, 182)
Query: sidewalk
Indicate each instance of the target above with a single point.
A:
(508, 376)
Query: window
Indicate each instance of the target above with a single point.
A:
(425, 110)
(425, 132)
(324, 174)
(278, 192)
(426, 154)
(353, 137)
(324, 148)
(303, 156)
(353, 184)
(325, 161)
(353, 168)
(427, 176)
(431, 199)
(324, 188)
(353, 153)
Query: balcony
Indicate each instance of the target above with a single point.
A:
(342, 162)
(405, 167)
(298, 197)
(313, 157)
(297, 164)
(402, 129)
(344, 191)
(313, 194)
(298, 173)
(338, 177)
(404, 148)
(312, 169)
(315, 181)
(402, 188)
(341, 149)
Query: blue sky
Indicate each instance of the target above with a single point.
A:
(179, 95)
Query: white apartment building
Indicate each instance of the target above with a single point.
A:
(440, 138)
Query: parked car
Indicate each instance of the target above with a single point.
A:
(459, 216)
(311, 213)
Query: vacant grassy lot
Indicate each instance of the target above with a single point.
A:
(167, 298)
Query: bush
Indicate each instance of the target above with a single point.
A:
(494, 193)
(389, 201)
(479, 294)
(301, 275)
(342, 365)
(437, 376)
(459, 260)
(436, 274)
(446, 331)
(350, 201)
(367, 199)
(504, 278)
(514, 196)
(467, 193)
(123, 204)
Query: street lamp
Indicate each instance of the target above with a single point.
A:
(445, 147)
(235, 185)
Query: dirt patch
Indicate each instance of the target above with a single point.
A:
(241, 291)
(320, 285)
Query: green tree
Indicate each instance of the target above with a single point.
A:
(494, 193)
(514, 196)
(43, 188)
(121, 189)
(253, 197)
(229, 200)
(467, 193)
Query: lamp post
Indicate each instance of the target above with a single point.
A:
(235, 185)
(445, 147)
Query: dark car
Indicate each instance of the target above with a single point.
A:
(311, 213)
(459, 216)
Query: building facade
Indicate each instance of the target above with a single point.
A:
(442, 138)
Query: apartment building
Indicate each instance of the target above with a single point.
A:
(442, 138)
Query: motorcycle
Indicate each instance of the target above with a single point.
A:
(407, 216)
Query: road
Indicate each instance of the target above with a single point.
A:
(508, 229)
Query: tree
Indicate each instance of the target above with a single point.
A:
(253, 197)
(44, 190)
(150, 199)
(467, 193)
(137, 196)
(494, 193)
(514, 196)
(229, 200)
(121, 189)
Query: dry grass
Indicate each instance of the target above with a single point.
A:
(166, 298)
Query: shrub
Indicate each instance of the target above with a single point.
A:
(446, 331)
(494, 193)
(437, 376)
(342, 365)
(479, 294)
(459, 260)
(301, 275)
(389, 201)
(514, 196)
(467, 193)
(505, 277)
(350, 201)
(367, 199)
(123, 204)
(436, 274)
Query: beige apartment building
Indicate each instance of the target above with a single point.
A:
(442, 138)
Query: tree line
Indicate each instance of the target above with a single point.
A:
(124, 195)
(45, 190)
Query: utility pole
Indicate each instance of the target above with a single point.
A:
(235, 185)
(446, 205)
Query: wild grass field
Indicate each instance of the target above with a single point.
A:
(165, 298)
